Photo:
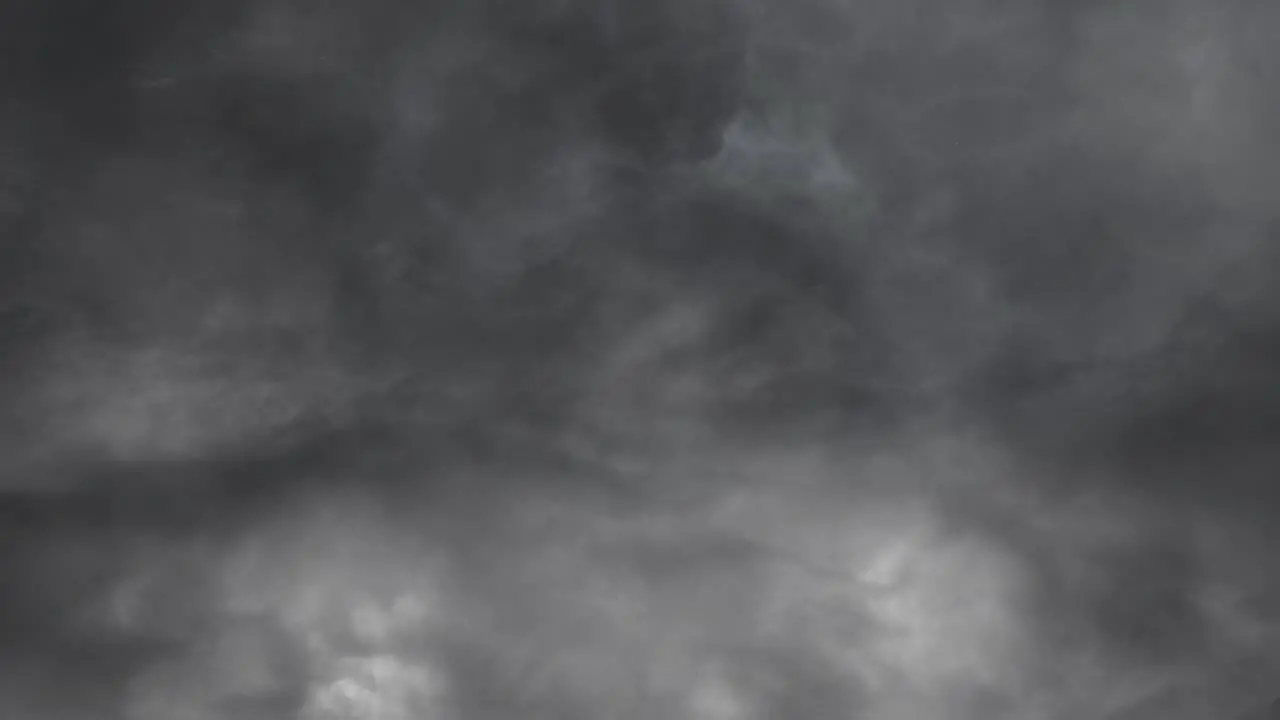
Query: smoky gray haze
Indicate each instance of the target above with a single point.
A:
(638, 359)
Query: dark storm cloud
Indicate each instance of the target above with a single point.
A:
(714, 359)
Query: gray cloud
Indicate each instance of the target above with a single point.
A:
(718, 360)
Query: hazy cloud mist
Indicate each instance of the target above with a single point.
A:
(715, 359)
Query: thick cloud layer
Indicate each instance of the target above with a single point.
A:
(601, 358)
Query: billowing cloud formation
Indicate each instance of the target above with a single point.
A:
(718, 359)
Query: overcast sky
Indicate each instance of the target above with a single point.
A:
(577, 359)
